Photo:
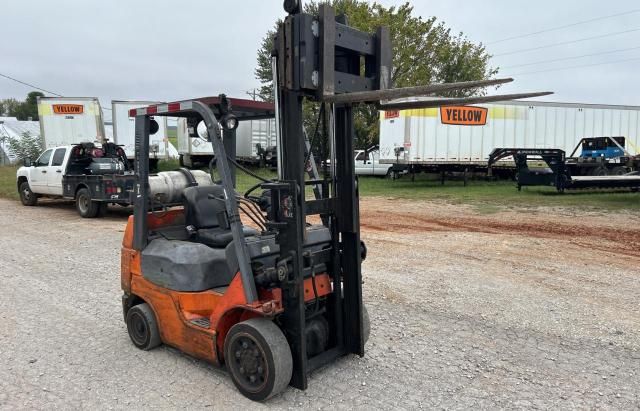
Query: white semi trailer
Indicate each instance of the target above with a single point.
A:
(124, 132)
(70, 120)
(194, 151)
(461, 138)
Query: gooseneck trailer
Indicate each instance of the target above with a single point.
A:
(558, 172)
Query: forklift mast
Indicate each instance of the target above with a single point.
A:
(318, 57)
(325, 61)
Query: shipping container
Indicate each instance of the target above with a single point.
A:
(194, 150)
(124, 130)
(70, 120)
(465, 136)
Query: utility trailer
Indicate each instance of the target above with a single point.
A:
(558, 172)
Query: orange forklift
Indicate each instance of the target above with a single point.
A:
(275, 302)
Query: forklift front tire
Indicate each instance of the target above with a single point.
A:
(258, 358)
(143, 327)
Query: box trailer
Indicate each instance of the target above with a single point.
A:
(250, 135)
(461, 138)
(70, 120)
(124, 132)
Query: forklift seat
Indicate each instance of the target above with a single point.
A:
(204, 215)
(187, 266)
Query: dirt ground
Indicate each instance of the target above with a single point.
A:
(529, 308)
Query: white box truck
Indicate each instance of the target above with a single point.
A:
(70, 120)
(458, 138)
(124, 132)
(194, 151)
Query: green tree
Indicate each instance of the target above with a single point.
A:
(28, 146)
(22, 110)
(10, 107)
(30, 106)
(425, 51)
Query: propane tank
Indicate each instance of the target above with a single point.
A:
(106, 165)
(167, 186)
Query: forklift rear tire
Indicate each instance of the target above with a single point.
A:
(258, 358)
(86, 207)
(143, 327)
(27, 197)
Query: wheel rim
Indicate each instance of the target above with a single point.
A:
(138, 328)
(248, 363)
(26, 194)
(83, 203)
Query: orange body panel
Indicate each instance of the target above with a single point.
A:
(174, 310)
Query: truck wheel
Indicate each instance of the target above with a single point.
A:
(86, 207)
(599, 171)
(143, 327)
(618, 171)
(27, 197)
(258, 358)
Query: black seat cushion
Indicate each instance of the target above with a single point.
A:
(220, 237)
(186, 266)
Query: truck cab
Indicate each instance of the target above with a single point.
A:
(44, 175)
(368, 163)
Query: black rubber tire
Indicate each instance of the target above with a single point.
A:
(600, 171)
(85, 206)
(143, 327)
(618, 171)
(27, 197)
(258, 344)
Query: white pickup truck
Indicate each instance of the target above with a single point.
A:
(95, 176)
(367, 163)
(92, 176)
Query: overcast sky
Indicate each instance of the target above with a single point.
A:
(170, 50)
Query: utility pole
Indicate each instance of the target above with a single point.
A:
(3, 153)
(252, 93)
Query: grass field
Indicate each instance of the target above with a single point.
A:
(8, 183)
(486, 196)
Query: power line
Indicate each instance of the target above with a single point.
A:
(30, 85)
(38, 88)
(573, 67)
(566, 42)
(571, 58)
(564, 27)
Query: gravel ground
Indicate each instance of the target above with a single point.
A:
(516, 309)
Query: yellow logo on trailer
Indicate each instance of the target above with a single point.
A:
(68, 108)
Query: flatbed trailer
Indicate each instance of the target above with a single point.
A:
(558, 172)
